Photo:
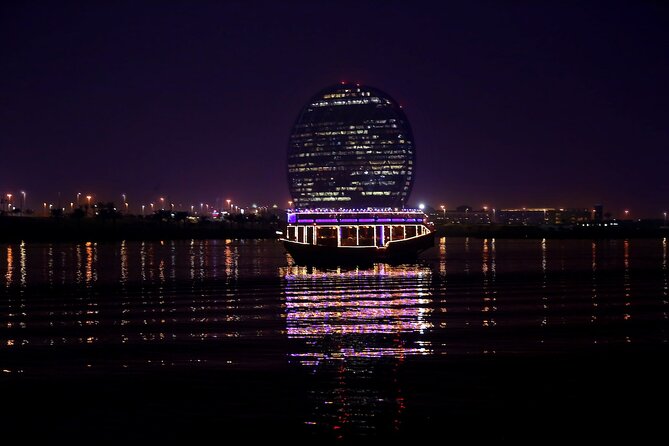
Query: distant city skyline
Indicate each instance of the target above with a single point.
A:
(512, 105)
(124, 204)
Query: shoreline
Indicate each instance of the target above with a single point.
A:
(627, 230)
(37, 229)
(40, 229)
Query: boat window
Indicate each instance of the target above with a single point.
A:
(348, 236)
(327, 236)
(366, 236)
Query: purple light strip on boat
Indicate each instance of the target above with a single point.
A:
(326, 220)
(366, 220)
(349, 220)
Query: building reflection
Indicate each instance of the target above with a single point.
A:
(9, 275)
(665, 280)
(489, 306)
(626, 282)
(442, 257)
(594, 296)
(545, 292)
(91, 263)
(354, 328)
(49, 265)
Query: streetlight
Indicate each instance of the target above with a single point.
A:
(78, 195)
(9, 202)
(443, 208)
(151, 207)
(290, 205)
(421, 206)
(23, 201)
(665, 218)
(627, 213)
(229, 201)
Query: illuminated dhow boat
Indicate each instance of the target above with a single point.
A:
(358, 236)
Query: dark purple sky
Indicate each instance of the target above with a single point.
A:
(513, 103)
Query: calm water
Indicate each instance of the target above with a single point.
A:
(190, 336)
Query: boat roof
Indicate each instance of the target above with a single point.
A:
(355, 216)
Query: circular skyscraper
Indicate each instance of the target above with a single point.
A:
(351, 147)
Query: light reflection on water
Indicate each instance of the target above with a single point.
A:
(9, 275)
(665, 288)
(343, 304)
(231, 303)
(544, 283)
(357, 326)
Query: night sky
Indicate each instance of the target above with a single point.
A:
(512, 103)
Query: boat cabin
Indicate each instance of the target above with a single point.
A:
(355, 228)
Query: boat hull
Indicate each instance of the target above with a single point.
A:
(396, 251)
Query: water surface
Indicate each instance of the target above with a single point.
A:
(184, 337)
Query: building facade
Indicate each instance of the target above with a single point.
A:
(351, 147)
(544, 216)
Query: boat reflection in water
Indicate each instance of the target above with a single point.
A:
(354, 328)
